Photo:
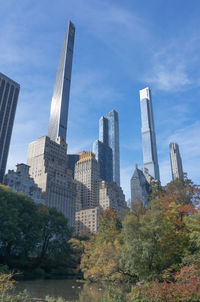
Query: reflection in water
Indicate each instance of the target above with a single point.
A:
(69, 290)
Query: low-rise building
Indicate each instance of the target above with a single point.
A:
(21, 181)
(110, 196)
(86, 221)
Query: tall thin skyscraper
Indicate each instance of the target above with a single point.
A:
(47, 156)
(176, 162)
(60, 99)
(109, 136)
(150, 158)
(9, 92)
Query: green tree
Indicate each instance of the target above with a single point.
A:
(100, 260)
(54, 236)
(19, 226)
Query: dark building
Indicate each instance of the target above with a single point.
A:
(71, 162)
(104, 156)
(9, 92)
(176, 161)
(139, 188)
(108, 142)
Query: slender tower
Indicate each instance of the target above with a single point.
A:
(150, 158)
(9, 91)
(47, 156)
(176, 162)
(60, 99)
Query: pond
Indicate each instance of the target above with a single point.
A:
(70, 290)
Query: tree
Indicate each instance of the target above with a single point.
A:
(54, 236)
(100, 260)
(19, 227)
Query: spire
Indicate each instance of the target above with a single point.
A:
(60, 99)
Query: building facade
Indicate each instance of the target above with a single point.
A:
(86, 221)
(71, 162)
(176, 161)
(9, 92)
(110, 196)
(87, 176)
(48, 167)
(47, 156)
(60, 99)
(140, 188)
(104, 157)
(20, 181)
(108, 139)
(150, 158)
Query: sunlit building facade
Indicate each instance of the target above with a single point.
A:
(150, 158)
(47, 156)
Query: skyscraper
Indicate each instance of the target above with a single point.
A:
(47, 156)
(140, 188)
(104, 157)
(9, 92)
(176, 162)
(60, 99)
(150, 158)
(108, 141)
(87, 176)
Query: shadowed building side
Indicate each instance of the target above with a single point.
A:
(176, 161)
(9, 92)
(140, 188)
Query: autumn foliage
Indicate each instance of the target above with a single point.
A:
(158, 245)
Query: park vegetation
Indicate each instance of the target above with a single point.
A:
(155, 249)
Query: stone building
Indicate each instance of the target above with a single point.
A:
(110, 196)
(86, 221)
(87, 175)
(21, 181)
(48, 167)
(140, 188)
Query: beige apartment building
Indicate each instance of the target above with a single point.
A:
(110, 196)
(48, 167)
(86, 175)
(86, 221)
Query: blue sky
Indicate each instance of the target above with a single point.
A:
(120, 47)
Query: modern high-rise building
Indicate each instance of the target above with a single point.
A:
(108, 139)
(104, 156)
(9, 92)
(60, 99)
(150, 158)
(176, 162)
(47, 156)
(71, 162)
(140, 188)
(87, 177)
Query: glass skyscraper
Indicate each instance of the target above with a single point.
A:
(104, 157)
(9, 92)
(60, 99)
(150, 158)
(108, 141)
(176, 162)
